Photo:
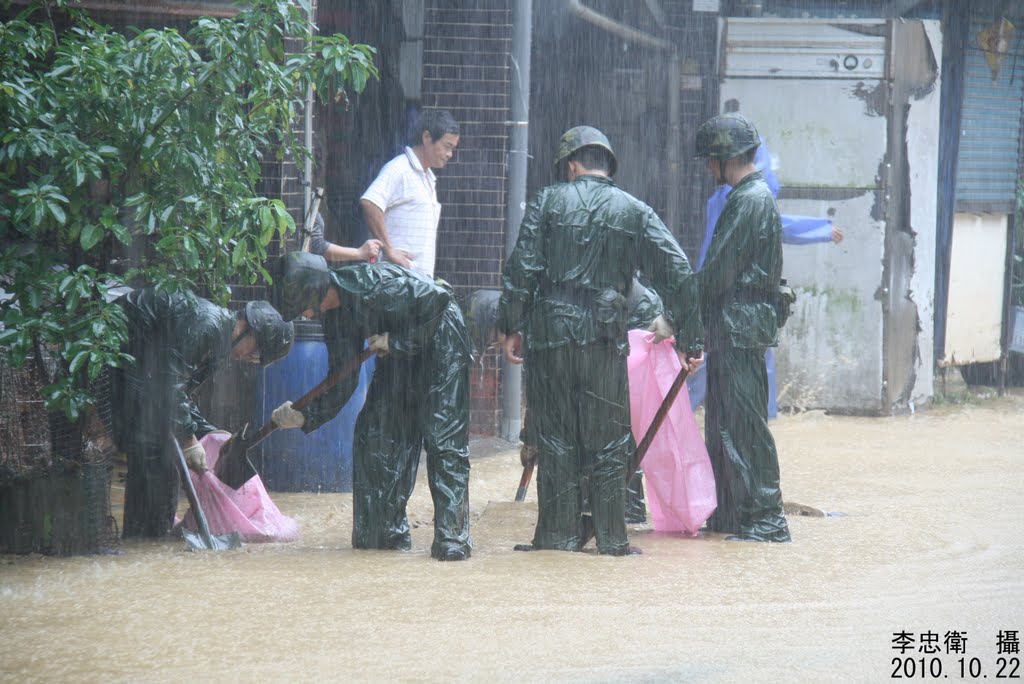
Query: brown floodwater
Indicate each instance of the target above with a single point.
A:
(929, 544)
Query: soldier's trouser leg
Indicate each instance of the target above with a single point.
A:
(140, 416)
(385, 457)
(551, 407)
(607, 441)
(446, 438)
(151, 490)
(746, 462)
(725, 517)
(636, 505)
(579, 399)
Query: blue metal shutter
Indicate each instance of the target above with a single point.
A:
(990, 128)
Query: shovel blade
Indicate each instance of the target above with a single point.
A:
(507, 522)
(214, 542)
(233, 466)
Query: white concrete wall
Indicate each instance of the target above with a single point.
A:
(974, 315)
(923, 155)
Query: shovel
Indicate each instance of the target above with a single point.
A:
(307, 228)
(234, 467)
(202, 540)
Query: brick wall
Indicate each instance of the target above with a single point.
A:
(466, 71)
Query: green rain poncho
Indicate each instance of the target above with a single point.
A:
(418, 399)
(178, 341)
(565, 286)
(738, 283)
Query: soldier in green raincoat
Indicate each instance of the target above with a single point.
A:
(178, 341)
(740, 304)
(418, 398)
(564, 300)
(643, 306)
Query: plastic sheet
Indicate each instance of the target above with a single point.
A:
(247, 510)
(677, 471)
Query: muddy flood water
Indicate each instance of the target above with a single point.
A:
(929, 545)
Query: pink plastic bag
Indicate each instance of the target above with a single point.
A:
(247, 510)
(677, 471)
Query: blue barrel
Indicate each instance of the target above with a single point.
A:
(291, 460)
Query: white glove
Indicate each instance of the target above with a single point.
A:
(379, 344)
(661, 328)
(195, 458)
(284, 416)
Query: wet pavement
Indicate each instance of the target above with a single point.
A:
(928, 543)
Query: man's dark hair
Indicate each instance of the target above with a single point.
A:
(593, 158)
(437, 122)
(748, 156)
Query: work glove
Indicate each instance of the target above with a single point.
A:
(379, 344)
(195, 458)
(284, 416)
(528, 455)
(661, 328)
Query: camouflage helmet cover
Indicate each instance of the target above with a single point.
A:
(274, 336)
(726, 136)
(299, 282)
(579, 137)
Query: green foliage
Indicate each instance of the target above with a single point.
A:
(135, 159)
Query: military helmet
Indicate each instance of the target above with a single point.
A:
(274, 336)
(299, 282)
(579, 137)
(726, 136)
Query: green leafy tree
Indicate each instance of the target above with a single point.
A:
(135, 159)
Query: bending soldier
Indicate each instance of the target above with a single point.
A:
(418, 398)
(178, 340)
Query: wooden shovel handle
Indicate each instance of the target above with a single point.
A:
(317, 392)
(299, 404)
(524, 481)
(307, 227)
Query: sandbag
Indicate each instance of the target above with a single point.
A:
(679, 480)
(247, 510)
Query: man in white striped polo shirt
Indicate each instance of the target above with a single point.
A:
(401, 206)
